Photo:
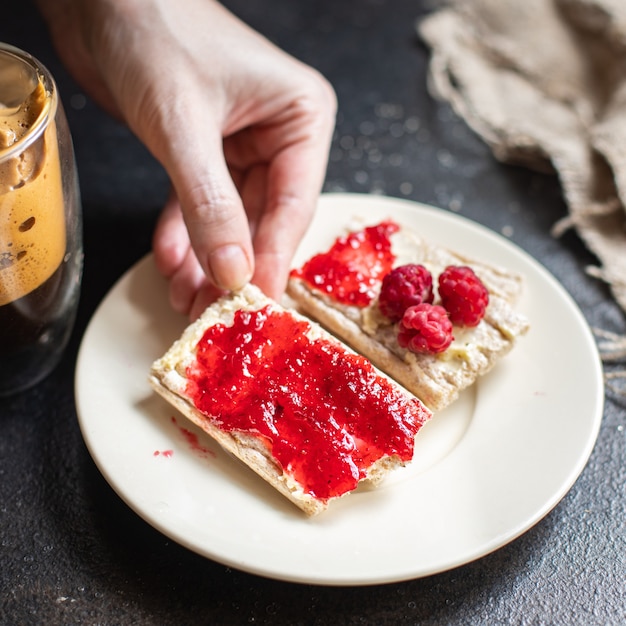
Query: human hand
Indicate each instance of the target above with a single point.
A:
(242, 129)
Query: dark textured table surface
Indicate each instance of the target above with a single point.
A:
(71, 552)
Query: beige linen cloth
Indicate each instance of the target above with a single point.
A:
(543, 82)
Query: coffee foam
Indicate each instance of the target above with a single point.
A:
(32, 226)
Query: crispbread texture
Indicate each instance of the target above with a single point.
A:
(168, 378)
(437, 379)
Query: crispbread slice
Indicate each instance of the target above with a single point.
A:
(436, 379)
(169, 377)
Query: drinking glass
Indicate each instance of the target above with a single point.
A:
(40, 223)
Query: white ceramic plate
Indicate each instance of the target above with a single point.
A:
(485, 470)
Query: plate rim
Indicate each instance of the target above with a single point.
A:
(489, 547)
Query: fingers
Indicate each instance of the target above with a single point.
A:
(170, 241)
(190, 292)
(206, 295)
(294, 181)
(219, 233)
(279, 231)
(210, 205)
(185, 283)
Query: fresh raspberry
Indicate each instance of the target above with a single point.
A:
(403, 287)
(463, 295)
(425, 328)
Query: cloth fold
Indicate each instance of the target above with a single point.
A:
(543, 82)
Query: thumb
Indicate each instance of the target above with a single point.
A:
(213, 211)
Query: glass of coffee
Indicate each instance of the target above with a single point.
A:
(40, 223)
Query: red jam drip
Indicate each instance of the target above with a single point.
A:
(192, 440)
(356, 263)
(325, 415)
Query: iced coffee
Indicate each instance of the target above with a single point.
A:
(40, 238)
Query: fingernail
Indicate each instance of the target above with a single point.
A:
(230, 267)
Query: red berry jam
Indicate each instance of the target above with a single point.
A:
(325, 414)
(356, 263)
